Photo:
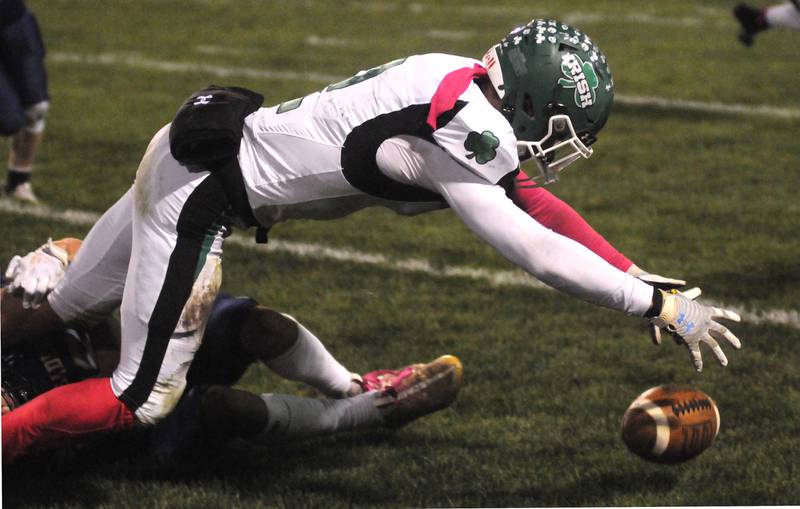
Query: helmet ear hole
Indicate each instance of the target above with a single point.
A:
(527, 106)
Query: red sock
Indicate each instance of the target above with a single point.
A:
(62, 416)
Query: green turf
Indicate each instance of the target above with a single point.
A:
(706, 196)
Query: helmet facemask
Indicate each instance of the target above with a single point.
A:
(556, 150)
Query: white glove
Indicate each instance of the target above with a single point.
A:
(693, 323)
(37, 273)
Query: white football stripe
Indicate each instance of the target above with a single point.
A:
(707, 107)
(662, 424)
(511, 278)
(141, 62)
(209, 49)
(137, 61)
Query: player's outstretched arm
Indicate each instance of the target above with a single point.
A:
(552, 212)
(570, 267)
(582, 274)
(556, 260)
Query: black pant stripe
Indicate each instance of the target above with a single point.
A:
(361, 146)
(202, 211)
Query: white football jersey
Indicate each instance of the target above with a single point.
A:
(315, 157)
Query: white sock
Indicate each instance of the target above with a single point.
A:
(784, 15)
(309, 362)
(292, 417)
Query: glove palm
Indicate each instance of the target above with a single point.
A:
(694, 323)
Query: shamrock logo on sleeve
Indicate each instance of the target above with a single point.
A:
(483, 146)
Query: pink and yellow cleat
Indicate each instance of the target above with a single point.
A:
(416, 390)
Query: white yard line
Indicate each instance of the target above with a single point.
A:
(210, 49)
(139, 62)
(581, 18)
(707, 107)
(510, 278)
(699, 17)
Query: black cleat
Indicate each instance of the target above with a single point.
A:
(752, 22)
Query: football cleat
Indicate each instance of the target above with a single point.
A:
(752, 21)
(416, 390)
(22, 193)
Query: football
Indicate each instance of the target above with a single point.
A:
(670, 424)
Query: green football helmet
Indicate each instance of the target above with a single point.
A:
(556, 91)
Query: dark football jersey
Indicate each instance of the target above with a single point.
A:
(56, 359)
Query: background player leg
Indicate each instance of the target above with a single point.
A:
(22, 63)
(757, 19)
(785, 15)
(24, 147)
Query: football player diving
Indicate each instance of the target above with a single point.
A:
(69, 355)
(238, 333)
(414, 135)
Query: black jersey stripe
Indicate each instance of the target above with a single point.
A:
(201, 211)
(359, 164)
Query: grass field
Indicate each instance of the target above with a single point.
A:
(685, 187)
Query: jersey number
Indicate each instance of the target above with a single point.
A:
(358, 78)
(364, 75)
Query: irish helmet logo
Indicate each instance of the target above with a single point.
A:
(581, 76)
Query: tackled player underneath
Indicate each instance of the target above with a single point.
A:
(239, 332)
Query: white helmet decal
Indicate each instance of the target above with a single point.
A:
(492, 65)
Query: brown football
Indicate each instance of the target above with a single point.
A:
(670, 423)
